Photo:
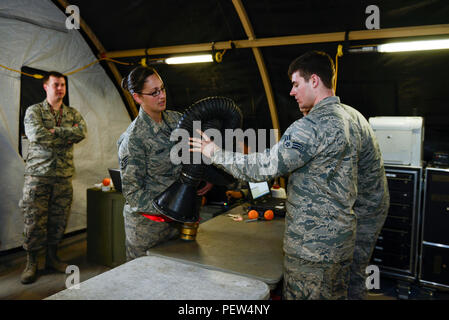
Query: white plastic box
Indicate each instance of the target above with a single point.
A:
(400, 139)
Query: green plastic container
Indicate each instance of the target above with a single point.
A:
(105, 227)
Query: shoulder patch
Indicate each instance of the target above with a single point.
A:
(124, 163)
(289, 144)
(298, 146)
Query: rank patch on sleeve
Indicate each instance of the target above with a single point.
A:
(298, 146)
(124, 163)
(287, 142)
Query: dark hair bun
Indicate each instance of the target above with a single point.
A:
(135, 80)
(125, 83)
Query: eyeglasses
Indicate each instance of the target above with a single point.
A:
(155, 93)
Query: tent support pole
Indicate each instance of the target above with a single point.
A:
(102, 51)
(262, 69)
(260, 64)
(389, 33)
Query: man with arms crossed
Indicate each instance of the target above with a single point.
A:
(51, 128)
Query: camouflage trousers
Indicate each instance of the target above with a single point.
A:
(343, 280)
(143, 233)
(368, 230)
(307, 280)
(46, 206)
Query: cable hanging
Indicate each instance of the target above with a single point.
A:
(339, 54)
(37, 76)
(96, 61)
(40, 76)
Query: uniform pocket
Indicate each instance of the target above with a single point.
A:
(48, 121)
(158, 161)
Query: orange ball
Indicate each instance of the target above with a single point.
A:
(268, 215)
(253, 214)
(106, 181)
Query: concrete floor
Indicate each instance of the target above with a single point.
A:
(73, 250)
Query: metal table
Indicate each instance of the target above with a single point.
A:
(156, 278)
(250, 249)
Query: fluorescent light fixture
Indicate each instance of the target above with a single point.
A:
(189, 59)
(414, 46)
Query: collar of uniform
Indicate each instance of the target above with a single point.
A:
(48, 107)
(324, 102)
(154, 126)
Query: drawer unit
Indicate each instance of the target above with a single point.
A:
(392, 260)
(404, 211)
(434, 261)
(435, 265)
(397, 223)
(436, 206)
(396, 250)
(393, 242)
(398, 198)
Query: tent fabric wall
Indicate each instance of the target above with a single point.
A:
(27, 39)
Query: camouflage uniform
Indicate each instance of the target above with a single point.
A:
(146, 169)
(47, 191)
(331, 155)
(371, 206)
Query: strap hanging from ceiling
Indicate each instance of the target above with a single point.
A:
(218, 56)
(340, 50)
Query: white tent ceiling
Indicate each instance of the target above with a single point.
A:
(33, 34)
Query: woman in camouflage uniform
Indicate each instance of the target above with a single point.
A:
(146, 169)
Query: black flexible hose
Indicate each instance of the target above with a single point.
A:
(214, 113)
(212, 108)
(180, 200)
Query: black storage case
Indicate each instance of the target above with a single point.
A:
(434, 262)
(396, 250)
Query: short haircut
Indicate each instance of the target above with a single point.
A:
(314, 62)
(51, 74)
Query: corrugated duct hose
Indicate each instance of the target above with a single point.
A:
(179, 201)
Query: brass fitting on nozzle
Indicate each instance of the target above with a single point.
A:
(189, 230)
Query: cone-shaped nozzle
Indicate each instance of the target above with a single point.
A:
(178, 202)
